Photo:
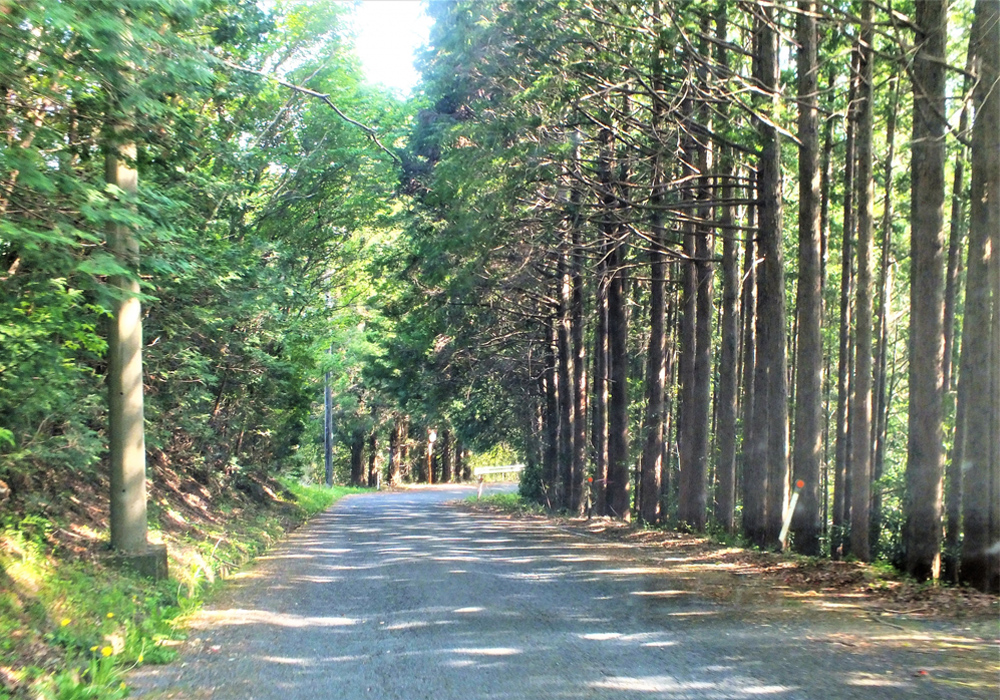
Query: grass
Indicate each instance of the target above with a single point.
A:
(71, 627)
(506, 503)
(315, 499)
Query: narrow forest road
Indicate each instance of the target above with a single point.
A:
(404, 596)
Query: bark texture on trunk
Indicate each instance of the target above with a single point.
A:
(446, 473)
(861, 404)
(550, 451)
(618, 483)
(725, 486)
(566, 393)
(579, 468)
(651, 464)
(980, 564)
(806, 523)
(373, 460)
(771, 353)
(357, 458)
(599, 427)
(841, 501)
(922, 506)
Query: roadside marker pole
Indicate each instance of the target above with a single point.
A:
(799, 485)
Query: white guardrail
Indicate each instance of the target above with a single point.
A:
(506, 469)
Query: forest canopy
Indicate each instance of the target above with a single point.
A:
(683, 259)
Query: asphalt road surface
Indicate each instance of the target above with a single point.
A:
(404, 596)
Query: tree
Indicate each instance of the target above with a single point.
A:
(924, 467)
(980, 563)
(861, 400)
(806, 524)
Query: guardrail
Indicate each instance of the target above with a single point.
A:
(506, 469)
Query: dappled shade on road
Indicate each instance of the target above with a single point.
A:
(404, 596)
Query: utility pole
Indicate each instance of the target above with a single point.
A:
(126, 429)
(328, 428)
(328, 417)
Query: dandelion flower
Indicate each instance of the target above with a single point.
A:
(65, 621)
(110, 615)
(139, 659)
(93, 648)
(107, 651)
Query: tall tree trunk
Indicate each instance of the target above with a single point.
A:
(396, 439)
(725, 487)
(327, 429)
(806, 524)
(373, 459)
(670, 383)
(922, 505)
(861, 405)
(126, 428)
(599, 429)
(688, 333)
(446, 473)
(824, 229)
(752, 480)
(550, 454)
(405, 468)
(841, 500)
(702, 366)
(771, 350)
(578, 347)
(566, 408)
(651, 461)
(725, 493)
(618, 473)
(652, 450)
(880, 400)
(463, 471)
(618, 498)
(980, 564)
(357, 457)
(953, 473)
(705, 250)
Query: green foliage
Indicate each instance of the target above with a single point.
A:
(254, 212)
(531, 487)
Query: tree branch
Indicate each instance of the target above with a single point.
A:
(372, 134)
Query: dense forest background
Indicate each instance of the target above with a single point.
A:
(684, 259)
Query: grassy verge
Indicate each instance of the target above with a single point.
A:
(70, 625)
(511, 503)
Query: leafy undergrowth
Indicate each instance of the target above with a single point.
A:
(71, 624)
(724, 571)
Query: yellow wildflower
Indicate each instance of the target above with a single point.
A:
(110, 615)
(65, 621)
(93, 648)
(107, 651)
(122, 686)
(139, 659)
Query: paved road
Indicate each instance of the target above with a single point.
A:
(402, 596)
